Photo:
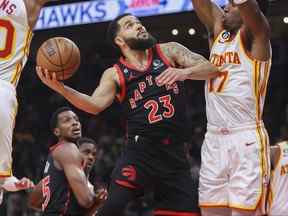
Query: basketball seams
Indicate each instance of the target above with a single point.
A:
(47, 58)
(68, 68)
(60, 56)
(71, 53)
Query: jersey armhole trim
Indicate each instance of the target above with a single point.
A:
(55, 146)
(120, 96)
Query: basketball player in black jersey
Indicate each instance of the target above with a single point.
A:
(64, 180)
(154, 156)
(89, 150)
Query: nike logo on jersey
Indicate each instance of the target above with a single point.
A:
(249, 143)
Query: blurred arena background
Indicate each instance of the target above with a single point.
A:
(168, 20)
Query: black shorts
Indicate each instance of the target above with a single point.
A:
(160, 164)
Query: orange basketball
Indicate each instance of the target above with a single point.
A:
(59, 55)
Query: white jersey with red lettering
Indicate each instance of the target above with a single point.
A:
(278, 196)
(235, 164)
(16, 36)
(235, 98)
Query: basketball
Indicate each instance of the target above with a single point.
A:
(59, 55)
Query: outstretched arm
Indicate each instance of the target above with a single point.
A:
(102, 97)
(70, 159)
(210, 15)
(257, 25)
(192, 65)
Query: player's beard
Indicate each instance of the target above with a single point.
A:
(141, 43)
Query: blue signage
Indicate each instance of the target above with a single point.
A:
(95, 11)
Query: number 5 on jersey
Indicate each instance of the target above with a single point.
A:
(153, 117)
(46, 193)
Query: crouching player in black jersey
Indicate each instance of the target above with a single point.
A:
(154, 156)
(65, 189)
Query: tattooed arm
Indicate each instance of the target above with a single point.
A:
(189, 65)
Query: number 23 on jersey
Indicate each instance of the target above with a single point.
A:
(165, 101)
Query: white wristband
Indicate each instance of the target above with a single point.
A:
(238, 2)
(9, 184)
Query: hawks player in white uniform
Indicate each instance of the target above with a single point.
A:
(235, 161)
(278, 199)
(15, 34)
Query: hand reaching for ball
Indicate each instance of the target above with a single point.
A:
(59, 55)
(50, 79)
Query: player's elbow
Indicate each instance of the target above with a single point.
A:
(93, 110)
(101, 105)
(90, 108)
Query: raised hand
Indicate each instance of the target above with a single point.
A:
(49, 79)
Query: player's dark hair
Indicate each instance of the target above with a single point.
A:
(54, 118)
(83, 140)
(263, 5)
(113, 29)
